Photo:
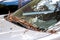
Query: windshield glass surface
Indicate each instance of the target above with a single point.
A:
(40, 16)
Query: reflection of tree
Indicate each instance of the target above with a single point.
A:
(12, 8)
(1, 5)
(4, 9)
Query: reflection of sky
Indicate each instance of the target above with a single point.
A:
(54, 1)
(14, 2)
(47, 1)
(24, 1)
(9, 0)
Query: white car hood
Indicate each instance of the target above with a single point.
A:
(10, 31)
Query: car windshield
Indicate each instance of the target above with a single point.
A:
(40, 16)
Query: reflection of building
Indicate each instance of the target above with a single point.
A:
(23, 2)
(19, 3)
